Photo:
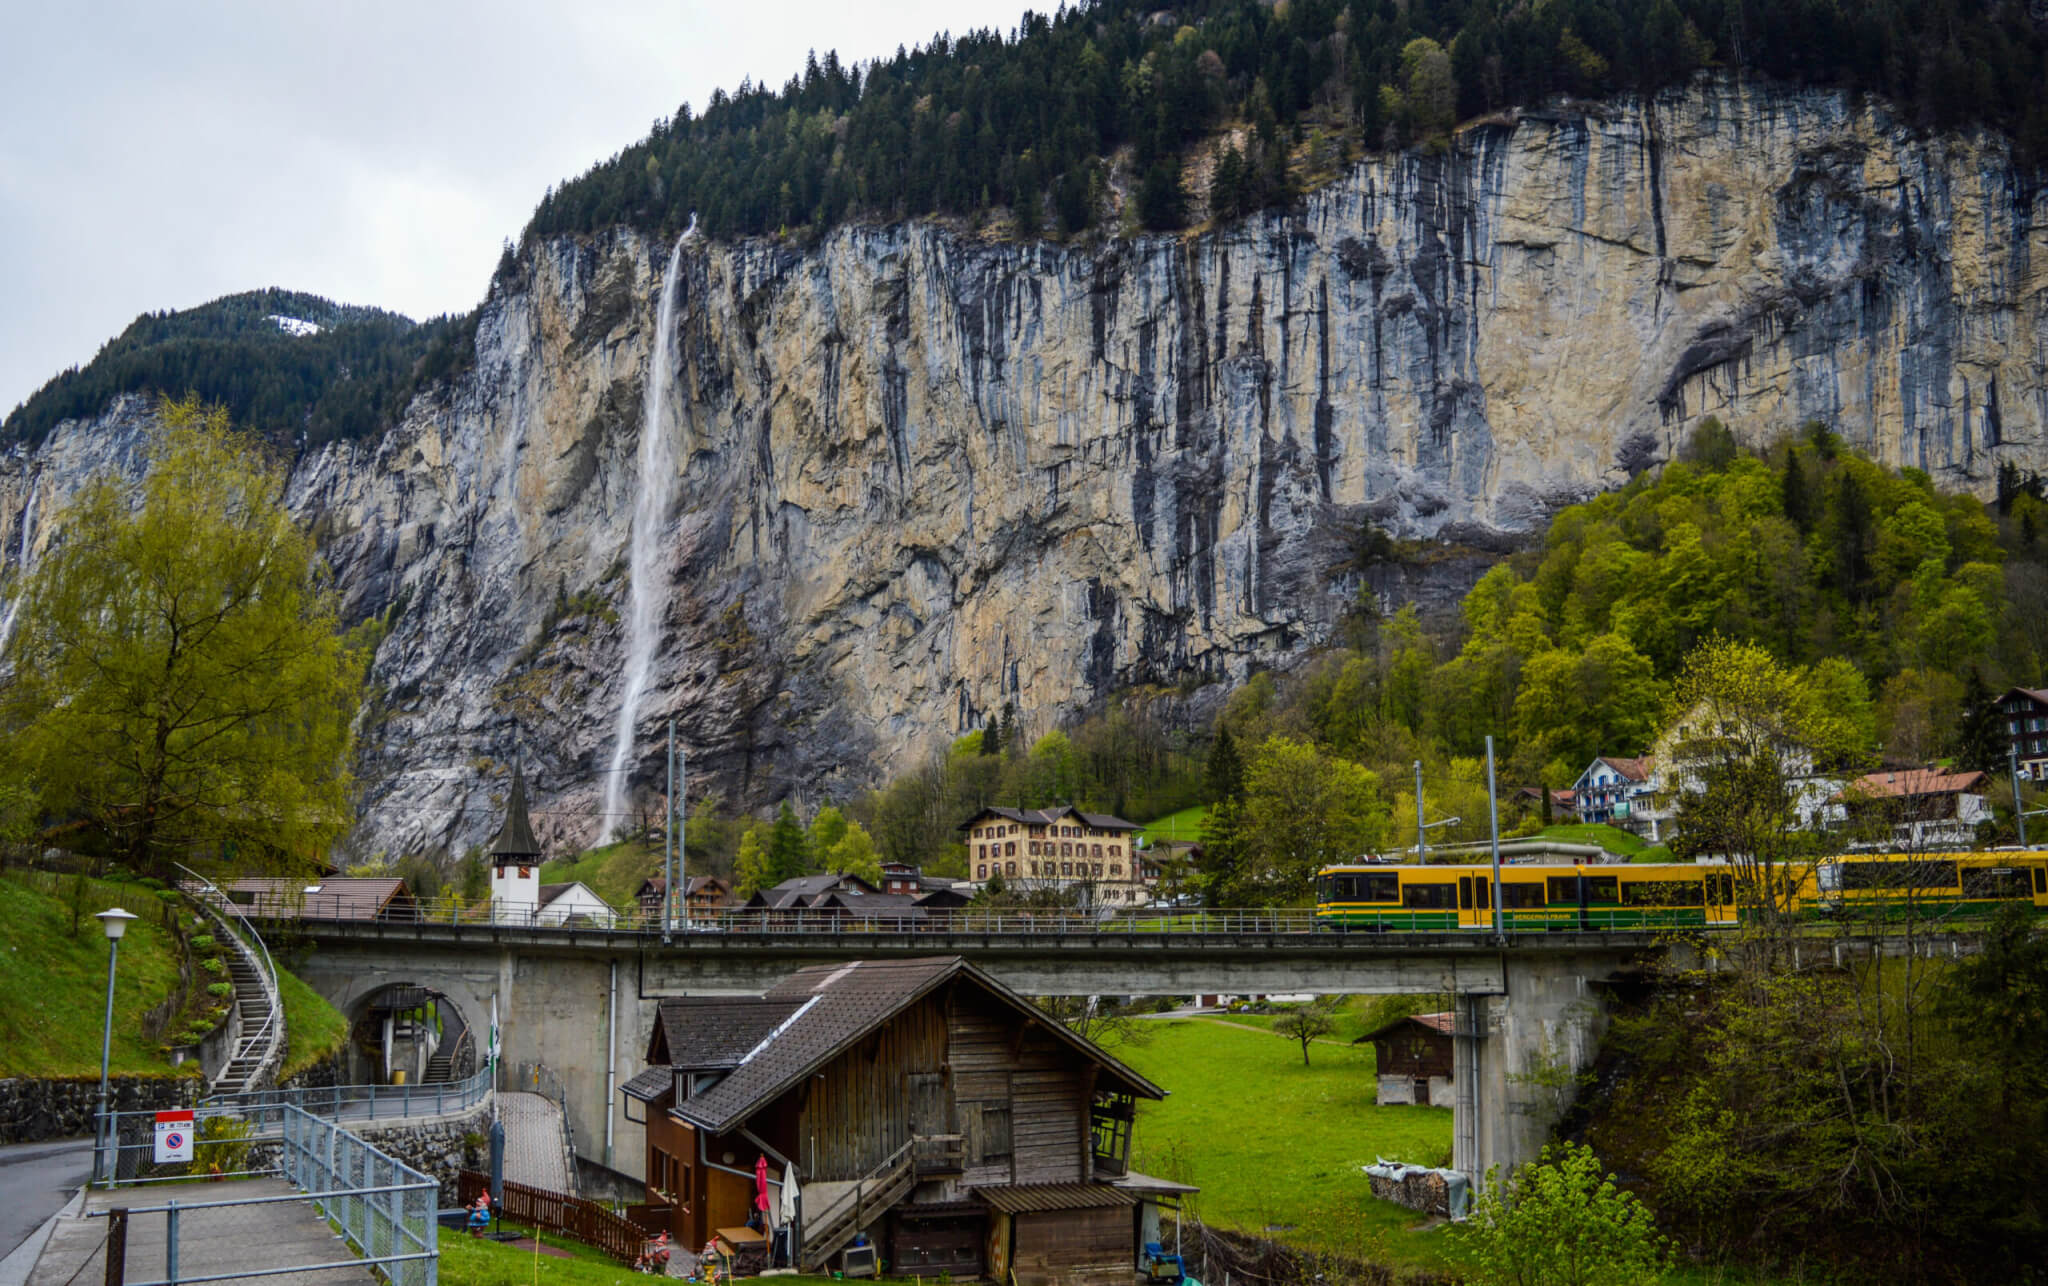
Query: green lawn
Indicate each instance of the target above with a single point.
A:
(613, 872)
(1275, 1145)
(53, 985)
(468, 1261)
(314, 1029)
(1184, 825)
(1612, 838)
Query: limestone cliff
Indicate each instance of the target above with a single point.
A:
(922, 475)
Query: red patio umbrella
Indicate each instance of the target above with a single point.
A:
(761, 1184)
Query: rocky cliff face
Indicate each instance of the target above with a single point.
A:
(921, 476)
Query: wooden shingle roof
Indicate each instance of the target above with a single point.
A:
(835, 1005)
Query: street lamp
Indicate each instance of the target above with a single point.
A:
(115, 922)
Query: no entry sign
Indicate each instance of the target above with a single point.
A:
(173, 1136)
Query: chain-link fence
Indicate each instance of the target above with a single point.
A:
(301, 1184)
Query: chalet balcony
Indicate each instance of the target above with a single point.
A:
(937, 1155)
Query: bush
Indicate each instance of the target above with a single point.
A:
(213, 964)
(222, 989)
(201, 941)
(1560, 1222)
(222, 1146)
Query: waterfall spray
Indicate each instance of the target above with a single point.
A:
(647, 593)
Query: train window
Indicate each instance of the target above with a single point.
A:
(1379, 888)
(1899, 875)
(1662, 893)
(2041, 879)
(1521, 895)
(1464, 893)
(1564, 889)
(1430, 896)
(1486, 889)
(1995, 882)
(1602, 888)
(1723, 885)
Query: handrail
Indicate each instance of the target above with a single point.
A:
(436, 1098)
(271, 1031)
(854, 1196)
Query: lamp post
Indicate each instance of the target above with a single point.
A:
(115, 921)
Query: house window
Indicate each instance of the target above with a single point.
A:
(981, 871)
(1066, 868)
(1034, 868)
(1009, 868)
(1098, 850)
(1116, 868)
(1066, 850)
(1032, 846)
(1098, 870)
(1116, 850)
(1010, 848)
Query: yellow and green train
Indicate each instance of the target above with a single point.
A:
(1541, 897)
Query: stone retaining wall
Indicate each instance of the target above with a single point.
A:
(441, 1147)
(34, 1109)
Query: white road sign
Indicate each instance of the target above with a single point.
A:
(173, 1136)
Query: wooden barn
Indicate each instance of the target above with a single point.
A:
(920, 1102)
(1413, 1058)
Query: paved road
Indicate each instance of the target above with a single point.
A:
(536, 1153)
(35, 1180)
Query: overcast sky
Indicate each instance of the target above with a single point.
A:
(160, 155)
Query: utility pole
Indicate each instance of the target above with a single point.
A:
(2019, 811)
(668, 834)
(1421, 832)
(1493, 828)
(682, 821)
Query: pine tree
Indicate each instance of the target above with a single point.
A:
(788, 851)
(1981, 741)
(1225, 774)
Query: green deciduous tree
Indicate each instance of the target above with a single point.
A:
(1303, 810)
(182, 686)
(1308, 1023)
(1561, 1222)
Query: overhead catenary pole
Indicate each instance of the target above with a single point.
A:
(2019, 811)
(1493, 830)
(682, 807)
(1421, 831)
(668, 883)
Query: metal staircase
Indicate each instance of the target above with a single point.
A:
(259, 1014)
(848, 1212)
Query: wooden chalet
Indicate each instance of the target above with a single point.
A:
(1413, 1056)
(703, 895)
(918, 1101)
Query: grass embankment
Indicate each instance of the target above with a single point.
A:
(1185, 825)
(1612, 838)
(1278, 1148)
(613, 872)
(314, 1030)
(53, 983)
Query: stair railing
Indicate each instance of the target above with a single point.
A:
(854, 1202)
(269, 1034)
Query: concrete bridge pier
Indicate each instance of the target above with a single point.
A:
(1518, 1054)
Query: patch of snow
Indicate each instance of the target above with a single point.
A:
(293, 325)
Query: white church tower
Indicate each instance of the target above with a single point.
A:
(515, 861)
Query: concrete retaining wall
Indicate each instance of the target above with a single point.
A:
(33, 1109)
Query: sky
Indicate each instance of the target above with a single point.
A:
(155, 156)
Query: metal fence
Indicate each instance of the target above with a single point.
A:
(384, 1209)
(369, 1102)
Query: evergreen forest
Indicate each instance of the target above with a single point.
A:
(1029, 121)
(350, 378)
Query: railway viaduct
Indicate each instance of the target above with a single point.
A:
(581, 1002)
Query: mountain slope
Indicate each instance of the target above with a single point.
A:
(921, 475)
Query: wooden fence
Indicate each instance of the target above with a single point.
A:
(586, 1221)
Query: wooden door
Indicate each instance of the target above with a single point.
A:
(1421, 1091)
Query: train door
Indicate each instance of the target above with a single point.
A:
(1474, 902)
(2041, 886)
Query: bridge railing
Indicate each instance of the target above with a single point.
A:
(366, 1102)
(1222, 922)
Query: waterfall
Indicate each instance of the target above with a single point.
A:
(647, 593)
(28, 525)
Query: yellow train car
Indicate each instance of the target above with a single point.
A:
(1532, 898)
(1894, 886)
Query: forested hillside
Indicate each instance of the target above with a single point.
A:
(291, 366)
(1896, 608)
(1025, 120)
